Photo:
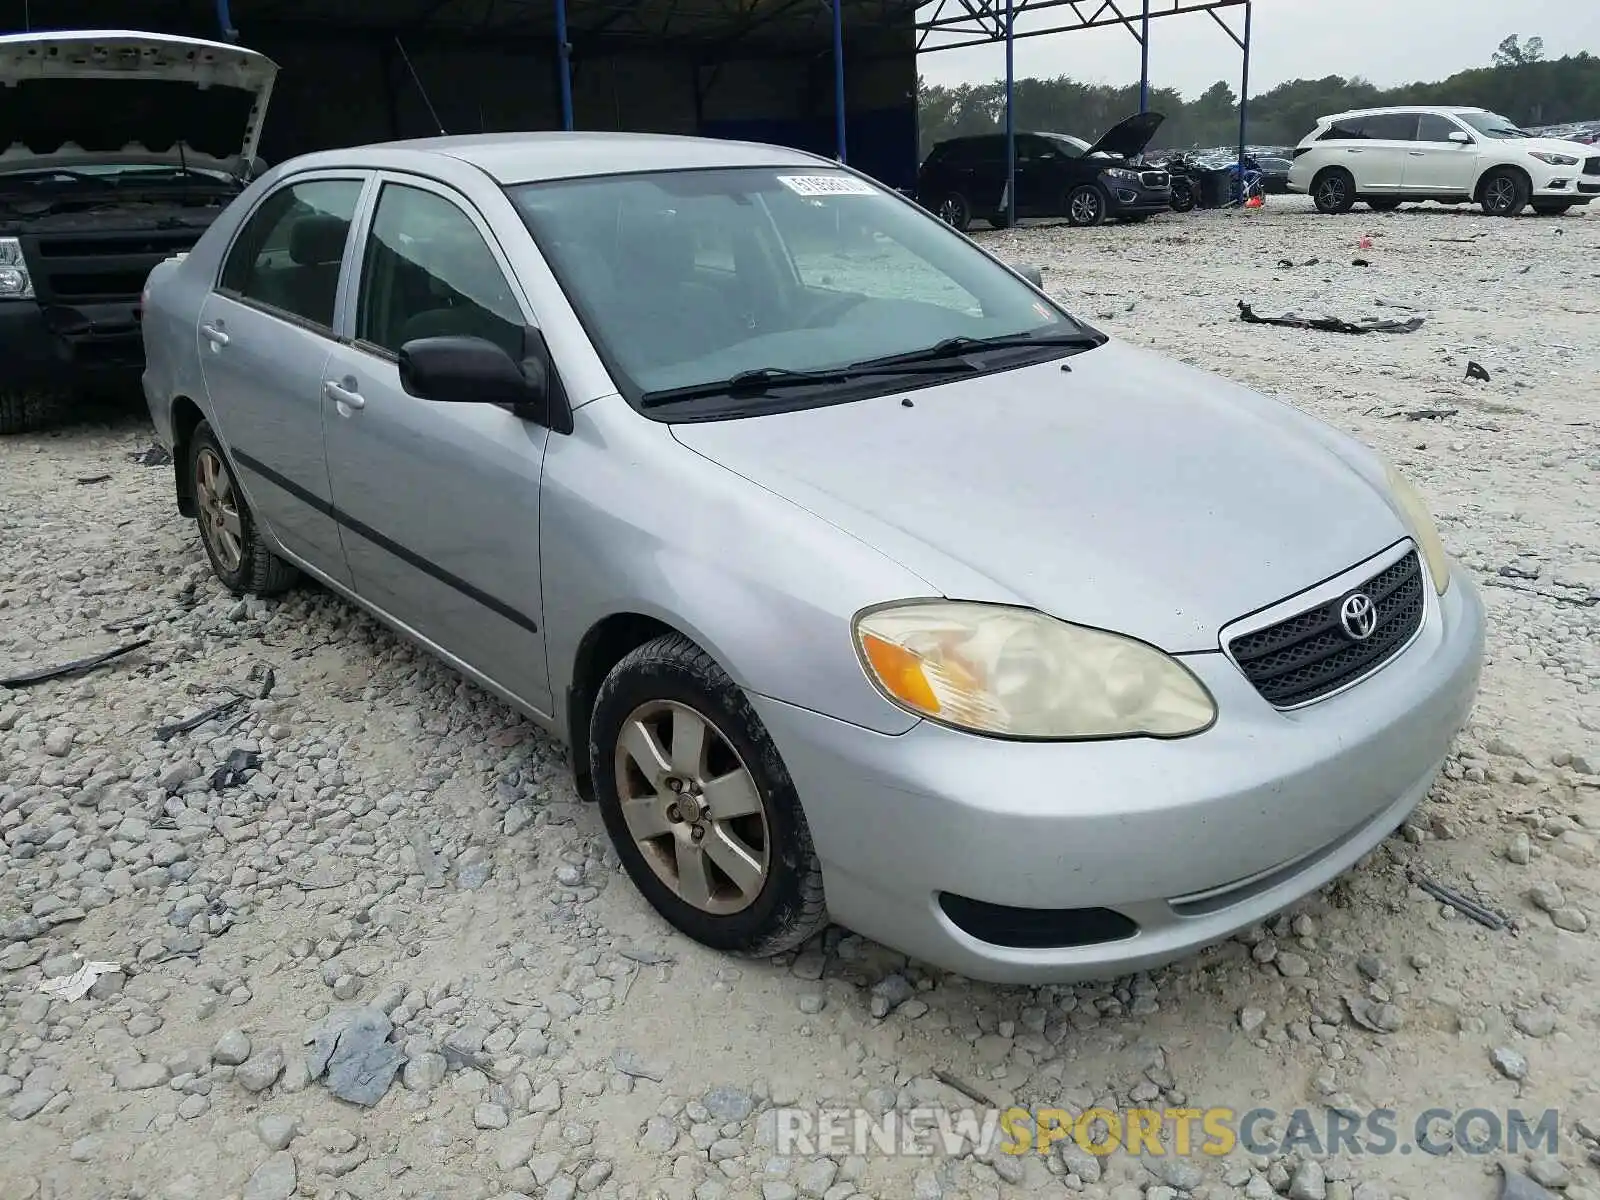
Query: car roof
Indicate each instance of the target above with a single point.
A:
(513, 158)
(1441, 110)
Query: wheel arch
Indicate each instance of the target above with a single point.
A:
(1497, 169)
(186, 418)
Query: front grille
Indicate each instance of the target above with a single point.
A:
(88, 267)
(1310, 654)
(1154, 179)
(1591, 166)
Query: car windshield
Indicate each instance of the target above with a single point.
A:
(687, 278)
(1493, 126)
(1071, 146)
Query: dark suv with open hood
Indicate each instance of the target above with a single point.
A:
(1057, 176)
(117, 150)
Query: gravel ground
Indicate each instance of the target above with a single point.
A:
(410, 854)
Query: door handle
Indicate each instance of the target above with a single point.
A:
(1416, 153)
(343, 395)
(214, 335)
(1352, 150)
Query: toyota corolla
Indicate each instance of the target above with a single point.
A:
(864, 581)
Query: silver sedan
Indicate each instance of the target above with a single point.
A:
(864, 581)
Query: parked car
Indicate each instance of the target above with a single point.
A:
(116, 150)
(1057, 176)
(1274, 175)
(864, 580)
(1390, 156)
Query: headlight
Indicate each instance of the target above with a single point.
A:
(1414, 511)
(14, 281)
(1119, 173)
(1555, 160)
(1013, 672)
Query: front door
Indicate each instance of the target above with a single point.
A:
(1435, 164)
(438, 502)
(1378, 160)
(264, 338)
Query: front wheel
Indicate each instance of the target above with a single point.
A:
(699, 805)
(239, 555)
(1182, 198)
(1504, 193)
(1086, 205)
(1550, 210)
(1334, 192)
(955, 212)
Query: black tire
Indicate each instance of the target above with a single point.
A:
(1504, 192)
(1183, 199)
(1086, 205)
(1334, 191)
(28, 411)
(790, 907)
(259, 571)
(1383, 205)
(955, 211)
(1551, 210)
(1000, 220)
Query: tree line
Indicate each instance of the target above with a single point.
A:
(1520, 83)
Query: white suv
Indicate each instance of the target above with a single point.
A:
(1388, 156)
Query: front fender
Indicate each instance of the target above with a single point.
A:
(633, 522)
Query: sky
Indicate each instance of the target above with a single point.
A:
(1385, 41)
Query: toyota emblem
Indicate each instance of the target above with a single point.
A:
(1359, 616)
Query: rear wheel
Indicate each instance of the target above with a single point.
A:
(955, 212)
(1504, 193)
(1086, 205)
(699, 805)
(23, 411)
(233, 543)
(1000, 220)
(1334, 191)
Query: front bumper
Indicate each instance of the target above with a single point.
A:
(1190, 840)
(1133, 199)
(64, 346)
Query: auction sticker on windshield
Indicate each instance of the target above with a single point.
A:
(826, 185)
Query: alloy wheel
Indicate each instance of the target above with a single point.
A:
(1331, 193)
(1085, 207)
(1501, 193)
(219, 509)
(953, 212)
(692, 807)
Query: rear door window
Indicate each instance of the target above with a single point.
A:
(1434, 128)
(288, 254)
(1390, 127)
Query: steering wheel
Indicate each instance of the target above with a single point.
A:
(833, 309)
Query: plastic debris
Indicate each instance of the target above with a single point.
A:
(1329, 324)
(76, 986)
(234, 772)
(156, 456)
(85, 480)
(351, 1049)
(1474, 371)
(79, 666)
(167, 732)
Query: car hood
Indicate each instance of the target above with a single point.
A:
(1128, 139)
(114, 92)
(1548, 145)
(1130, 493)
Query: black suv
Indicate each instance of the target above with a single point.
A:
(117, 150)
(1057, 176)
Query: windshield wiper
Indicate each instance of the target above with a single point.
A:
(958, 347)
(766, 379)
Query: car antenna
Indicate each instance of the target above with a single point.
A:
(406, 58)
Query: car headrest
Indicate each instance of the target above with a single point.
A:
(318, 240)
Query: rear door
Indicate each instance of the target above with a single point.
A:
(265, 334)
(1435, 164)
(1380, 155)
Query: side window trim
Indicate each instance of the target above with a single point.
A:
(349, 304)
(321, 175)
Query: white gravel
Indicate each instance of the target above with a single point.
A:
(410, 844)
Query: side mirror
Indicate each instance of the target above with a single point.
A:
(1460, 138)
(470, 370)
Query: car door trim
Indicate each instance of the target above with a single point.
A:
(400, 551)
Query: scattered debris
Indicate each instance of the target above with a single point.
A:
(167, 732)
(76, 986)
(1461, 240)
(971, 1092)
(1463, 904)
(1475, 371)
(234, 772)
(76, 667)
(1328, 324)
(156, 456)
(85, 480)
(646, 958)
(350, 1052)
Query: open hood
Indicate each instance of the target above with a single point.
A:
(70, 94)
(1128, 139)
